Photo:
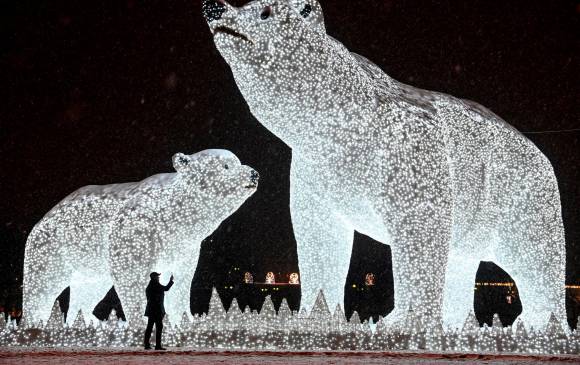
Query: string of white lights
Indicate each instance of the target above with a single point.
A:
(553, 131)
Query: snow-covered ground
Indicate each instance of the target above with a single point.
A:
(109, 356)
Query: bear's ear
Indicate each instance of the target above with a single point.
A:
(181, 162)
(311, 12)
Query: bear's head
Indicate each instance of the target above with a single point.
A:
(214, 181)
(282, 60)
(262, 30)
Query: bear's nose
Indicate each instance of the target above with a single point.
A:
(213, 9)
(254, 176)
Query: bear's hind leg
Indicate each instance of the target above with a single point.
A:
(46, 275)
(539, 275)
(533, 252)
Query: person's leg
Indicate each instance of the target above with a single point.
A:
(147, 341)
(158, 331)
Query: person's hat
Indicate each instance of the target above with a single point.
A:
(153, 275)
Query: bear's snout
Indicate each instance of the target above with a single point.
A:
(213, 9)
(254, 177)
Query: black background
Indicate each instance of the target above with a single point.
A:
(99, 92)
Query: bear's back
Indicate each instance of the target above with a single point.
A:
(99, 204)
(89, 205)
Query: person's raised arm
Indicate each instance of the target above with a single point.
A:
(170, 284)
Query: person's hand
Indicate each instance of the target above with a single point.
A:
(171, 278)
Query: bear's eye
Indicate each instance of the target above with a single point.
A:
(266, 13)
(226, 167)
(306, 11)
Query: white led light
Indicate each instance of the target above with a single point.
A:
(117, 234)
(444, 181)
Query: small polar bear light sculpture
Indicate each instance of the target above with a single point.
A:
(444, 181)
(101, 236)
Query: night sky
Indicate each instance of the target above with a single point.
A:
(100, 92)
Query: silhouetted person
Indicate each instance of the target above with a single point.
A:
(155, 310)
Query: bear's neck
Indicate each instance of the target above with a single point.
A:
(313, 105)
(193, 216)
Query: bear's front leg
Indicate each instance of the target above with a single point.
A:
(133, 254)
(419, 255)
(459, 284)
(323, 241)
(177, 301)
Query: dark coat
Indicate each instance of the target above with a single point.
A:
(155, 294)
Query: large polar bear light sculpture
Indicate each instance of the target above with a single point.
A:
(117, 234)
(444, 181)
